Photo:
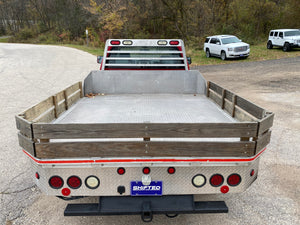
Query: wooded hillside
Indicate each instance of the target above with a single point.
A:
(190, 20)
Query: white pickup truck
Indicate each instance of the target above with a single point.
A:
(145, 134)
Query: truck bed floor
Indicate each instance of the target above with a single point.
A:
(145, 108)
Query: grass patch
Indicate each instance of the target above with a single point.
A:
(90, 49)
(4, 40)
(258, 52)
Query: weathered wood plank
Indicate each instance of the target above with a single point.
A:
(215, 97)
(263, 141)
(249, 107)
(55, 103)
(61, 107)
(216, 88)
(81, 89)
(66, 100)
(60, 96)
(233, 105)
(228, 106)
(207, 89)
(73, 98)
(241, 115)
(140, 149)
(38, 109)
(223, 98)
(24, 126)
(266, 123)
(70, 90)
(46, 116)
(134, 130)
(229, 95)
(27, 144)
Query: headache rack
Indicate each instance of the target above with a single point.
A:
(150, 54)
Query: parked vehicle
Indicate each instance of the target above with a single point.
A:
(226, 46)
(145, 134)
(284, 38)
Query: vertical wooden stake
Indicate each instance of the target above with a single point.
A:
(223, 98)
(233, 105)
(81, 91)
(207, 90)
(66, 99)
(55, 103)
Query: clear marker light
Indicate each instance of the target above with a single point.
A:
(199, 180)
(127, 42)
(92, 182)
(162, 42)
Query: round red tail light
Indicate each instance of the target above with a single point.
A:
(56, 182)
(174, 42)
(146, 170)
(234, 179)
(216, 180)
(171, 170)
(121, 170)
(74, 182)
(115, 42)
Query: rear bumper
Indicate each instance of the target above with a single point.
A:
(145, 206)
(179, 183)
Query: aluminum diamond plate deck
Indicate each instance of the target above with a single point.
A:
(145, 108)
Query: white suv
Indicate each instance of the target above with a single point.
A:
(285, 38)
(226, 46)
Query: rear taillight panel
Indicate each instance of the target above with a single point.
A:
(176, 179)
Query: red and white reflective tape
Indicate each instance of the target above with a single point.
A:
(128, 160)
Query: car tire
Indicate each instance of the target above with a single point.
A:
(223, 55)
(207, 52)
(286, 47)
(269, 45)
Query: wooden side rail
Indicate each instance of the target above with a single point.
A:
(37, 136)
(52, 107)
(140, 130)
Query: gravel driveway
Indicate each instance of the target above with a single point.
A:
(30, 73)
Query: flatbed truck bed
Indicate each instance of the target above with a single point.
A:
(165, 135)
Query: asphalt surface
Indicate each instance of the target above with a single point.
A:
(29, 74)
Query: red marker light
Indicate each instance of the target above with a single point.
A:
(171, 170)
(114, 42)
(74, 182)
(37, 176)
(252, 173)
(224, 189)
(121, 171)
(65, 191)
(56, 182)
(146, 170)
(174, 42)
